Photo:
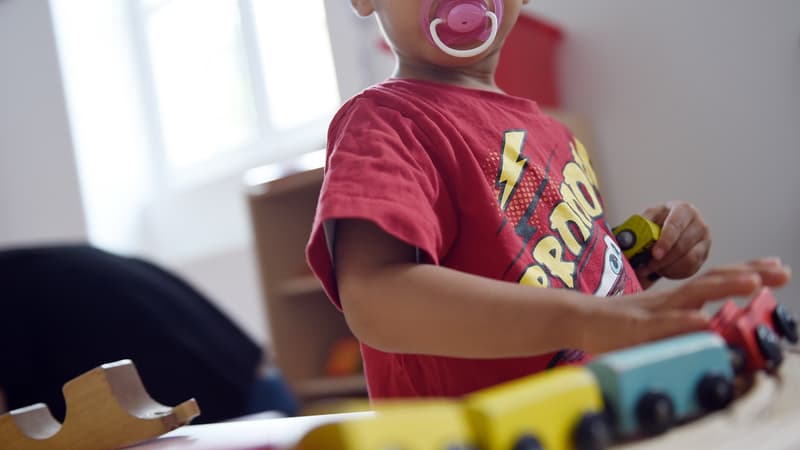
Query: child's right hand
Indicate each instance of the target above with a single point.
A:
(624, 321)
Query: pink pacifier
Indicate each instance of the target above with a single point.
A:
(461, 22)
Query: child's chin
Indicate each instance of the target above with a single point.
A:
(448, 61)
(440, 58)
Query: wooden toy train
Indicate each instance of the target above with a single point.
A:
(636, 237)
(634, 392)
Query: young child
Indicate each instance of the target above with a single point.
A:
(461, 230)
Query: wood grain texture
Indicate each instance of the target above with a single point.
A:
(107, 408)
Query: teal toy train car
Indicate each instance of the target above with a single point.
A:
(650, 387)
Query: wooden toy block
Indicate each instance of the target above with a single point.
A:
(107, 408)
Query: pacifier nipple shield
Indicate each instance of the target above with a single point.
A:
(462, 22)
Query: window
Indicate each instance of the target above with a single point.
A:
(246, 80)
(171, 101)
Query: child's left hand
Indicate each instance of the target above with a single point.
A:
(683, 246)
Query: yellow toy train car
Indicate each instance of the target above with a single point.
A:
(561, 409)
(636, 237)
(398, 425)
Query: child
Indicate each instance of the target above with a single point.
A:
(461, 231)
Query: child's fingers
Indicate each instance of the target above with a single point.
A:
(777, 278)
(684, 259)
(771, 270)
(729, 281)
(682, 223)
(754, 264)
(649, 316)
(697, 292)
(656, 214)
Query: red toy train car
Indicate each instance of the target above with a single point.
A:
(753, 333)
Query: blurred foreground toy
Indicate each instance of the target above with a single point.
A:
(636, 237)
(107, 408)
(753, 333)
(406, 425)
(561, 409)
(650, 387)
(638, 391)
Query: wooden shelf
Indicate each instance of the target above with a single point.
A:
(332, 386)
(278, 178)
(303, 323)
(305, 284)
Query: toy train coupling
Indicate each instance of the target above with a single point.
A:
(636, 237)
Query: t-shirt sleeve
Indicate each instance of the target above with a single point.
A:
(378, 169)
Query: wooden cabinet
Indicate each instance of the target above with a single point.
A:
(303, 323)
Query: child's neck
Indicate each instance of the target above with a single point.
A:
(478, 76)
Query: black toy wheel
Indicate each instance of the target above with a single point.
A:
(770, 346)
(626, 239)
(528, 442)
(785, 323)
(592, 432)
(655, 413)
(714, 392)
(640, 259)
(738, 359)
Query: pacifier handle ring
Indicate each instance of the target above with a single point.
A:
(470, 52)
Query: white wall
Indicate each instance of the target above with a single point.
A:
(697, 101)
(355, 43)
(39, 192)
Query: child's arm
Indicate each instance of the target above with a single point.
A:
(393, 304)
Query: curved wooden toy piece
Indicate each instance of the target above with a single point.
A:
(107, 408)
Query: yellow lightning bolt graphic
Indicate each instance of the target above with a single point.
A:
(511, 166)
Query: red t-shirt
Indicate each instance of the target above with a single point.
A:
(479, 182)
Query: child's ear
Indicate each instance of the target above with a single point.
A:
(362, 7)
